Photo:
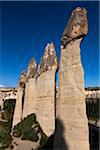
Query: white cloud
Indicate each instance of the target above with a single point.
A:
(1, 85)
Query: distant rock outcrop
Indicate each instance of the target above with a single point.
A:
(92, 94)
(7, 93)
(72, 125)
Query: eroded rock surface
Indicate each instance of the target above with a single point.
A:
(30, 90)
(46, 90)
(32, 68)
(77, 26)
(22, 79)
(49, 60)
(72, 125)
(19, 101)
(40, 90)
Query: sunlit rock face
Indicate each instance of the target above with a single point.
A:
(29, 104)
(72, 124)
(38, 91)
(19, 100)
(46, 90)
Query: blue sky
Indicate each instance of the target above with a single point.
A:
(26, 27)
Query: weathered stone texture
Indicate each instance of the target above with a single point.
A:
(45, 110)
(72, 125)
(32, 67)
(49, 60)
(30, 90)
(22, 79)
(46, 90)
(20, 96)
(30, 97)
(77, 26)
(40, 90)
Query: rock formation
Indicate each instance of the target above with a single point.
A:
(46, 90)
(72, 125)
(7, 94)
(19, 101)
(92, 94)
(39, 89)
(30, 91)
(36, 92)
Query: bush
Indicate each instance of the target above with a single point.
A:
(47, 143)
(5, 127)
(9, 106)
(5, 138)
(30, 135)
(25, 130)
(43, 140)
(92, 109)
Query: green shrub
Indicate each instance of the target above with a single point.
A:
(92, 109)
(5, 138)
(43, 140)
(47, 143)
(9, 106)
(5, 127)
(2, 148)
(29, 134)
(25, 130)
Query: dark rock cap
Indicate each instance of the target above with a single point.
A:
(77, 26)
(32, 67)
(22, 79)
(49, 59)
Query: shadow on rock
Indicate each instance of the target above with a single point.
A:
(59, 141)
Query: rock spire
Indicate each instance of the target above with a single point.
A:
(72, 124)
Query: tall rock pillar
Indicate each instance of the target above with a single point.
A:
(46, 90)
(20, 98)
(72, 124)
(30, 91)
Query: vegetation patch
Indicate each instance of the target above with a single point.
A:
(5, 127)
(47, 144)
(92, 109)
(28, 129)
